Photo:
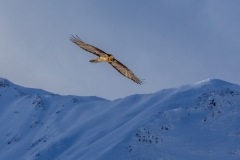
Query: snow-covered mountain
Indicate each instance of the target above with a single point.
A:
(193, 122)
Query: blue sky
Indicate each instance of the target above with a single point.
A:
(169, 43)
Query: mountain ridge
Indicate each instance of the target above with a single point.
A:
(161, 125)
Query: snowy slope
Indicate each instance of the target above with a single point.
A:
(198, 121)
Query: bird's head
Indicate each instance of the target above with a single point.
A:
(110, 58)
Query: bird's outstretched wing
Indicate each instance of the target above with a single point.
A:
(87, 47)
(125, 71)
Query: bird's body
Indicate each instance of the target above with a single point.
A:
(104, 57)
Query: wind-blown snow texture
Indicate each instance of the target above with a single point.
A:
(199, 121)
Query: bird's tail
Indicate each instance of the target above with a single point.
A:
(94, 60)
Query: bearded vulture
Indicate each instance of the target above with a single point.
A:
(104, 57)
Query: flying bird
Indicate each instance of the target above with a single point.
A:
(104, 57)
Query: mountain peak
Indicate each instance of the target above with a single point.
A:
(5, 83)
(213, 82)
